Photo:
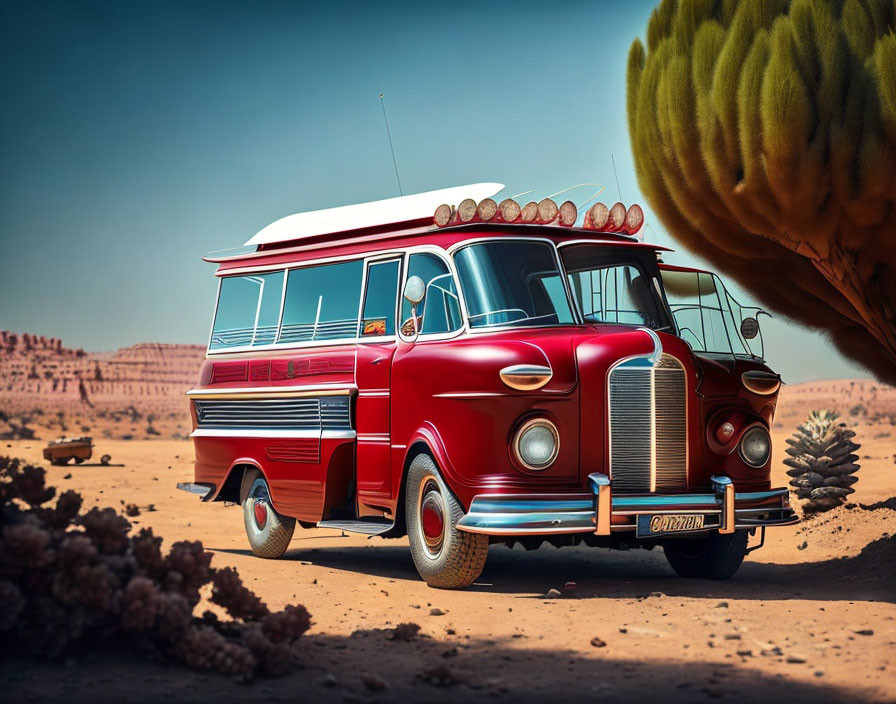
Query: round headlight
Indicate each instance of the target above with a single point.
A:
(755, 446)
(536, 443)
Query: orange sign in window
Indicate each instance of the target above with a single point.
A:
(375, 326)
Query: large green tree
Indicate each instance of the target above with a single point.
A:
(764, 136)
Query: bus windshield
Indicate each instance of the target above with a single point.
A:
(512, 283)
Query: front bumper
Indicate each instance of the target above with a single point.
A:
(723, 510)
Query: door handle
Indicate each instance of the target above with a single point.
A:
(379, 359)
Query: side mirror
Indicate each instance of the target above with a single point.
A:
(414, 290)
(749, 328)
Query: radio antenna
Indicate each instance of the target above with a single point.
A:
(618, 190)
(391, 148)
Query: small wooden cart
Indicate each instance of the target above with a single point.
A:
(61, 450)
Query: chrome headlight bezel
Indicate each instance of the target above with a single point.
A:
(752, 430)
(529, 425)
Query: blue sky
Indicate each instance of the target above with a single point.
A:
(136, 136)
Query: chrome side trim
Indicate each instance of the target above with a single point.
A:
(261, 392)
(272, 433)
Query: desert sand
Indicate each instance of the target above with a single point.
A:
(809, 617)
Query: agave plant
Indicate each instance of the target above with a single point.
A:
(822, 461)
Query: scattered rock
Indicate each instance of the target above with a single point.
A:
(405, 631)
(722, 605)
(434, 611)
(864, 632)
(374, 683)
(795, 659)
(569, 586)
(803, 546)
(552, 594)
(132, 510)
(656, 594)
(329, 680)
(440, 676)
(68, 476)
(598, 643)
(745, 653)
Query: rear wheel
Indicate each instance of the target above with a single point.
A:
(716, 556)
(446, 558)
(269, 532)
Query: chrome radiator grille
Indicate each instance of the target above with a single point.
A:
(648, 426)
(307, 413)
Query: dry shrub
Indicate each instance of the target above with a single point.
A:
(70, 581)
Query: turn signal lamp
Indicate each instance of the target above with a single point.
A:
(725, 432)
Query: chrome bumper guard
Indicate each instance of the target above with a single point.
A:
(547, 514)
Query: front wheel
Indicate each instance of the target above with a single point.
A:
(716, 557)
(269, 532)
(446, 558)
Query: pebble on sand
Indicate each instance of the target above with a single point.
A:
(374, 683)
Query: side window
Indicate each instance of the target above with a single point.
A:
(440, 308)
(322, 303)
(248, 310)
(378, 316)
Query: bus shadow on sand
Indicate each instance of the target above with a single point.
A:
(599, 573)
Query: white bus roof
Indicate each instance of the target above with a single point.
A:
(374, 214)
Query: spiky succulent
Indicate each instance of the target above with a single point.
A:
(764, 137)
(822, 461)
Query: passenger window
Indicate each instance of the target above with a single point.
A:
(440, 309)
(322, 303)
(378, 318)
(248, 310)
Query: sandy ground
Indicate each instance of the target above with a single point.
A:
(809, 617)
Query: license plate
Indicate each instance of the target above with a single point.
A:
(653, 525)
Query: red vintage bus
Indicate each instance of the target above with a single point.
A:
(490, 373)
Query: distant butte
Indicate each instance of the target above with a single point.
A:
(39, 376)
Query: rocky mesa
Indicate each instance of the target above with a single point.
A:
(134, 392)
